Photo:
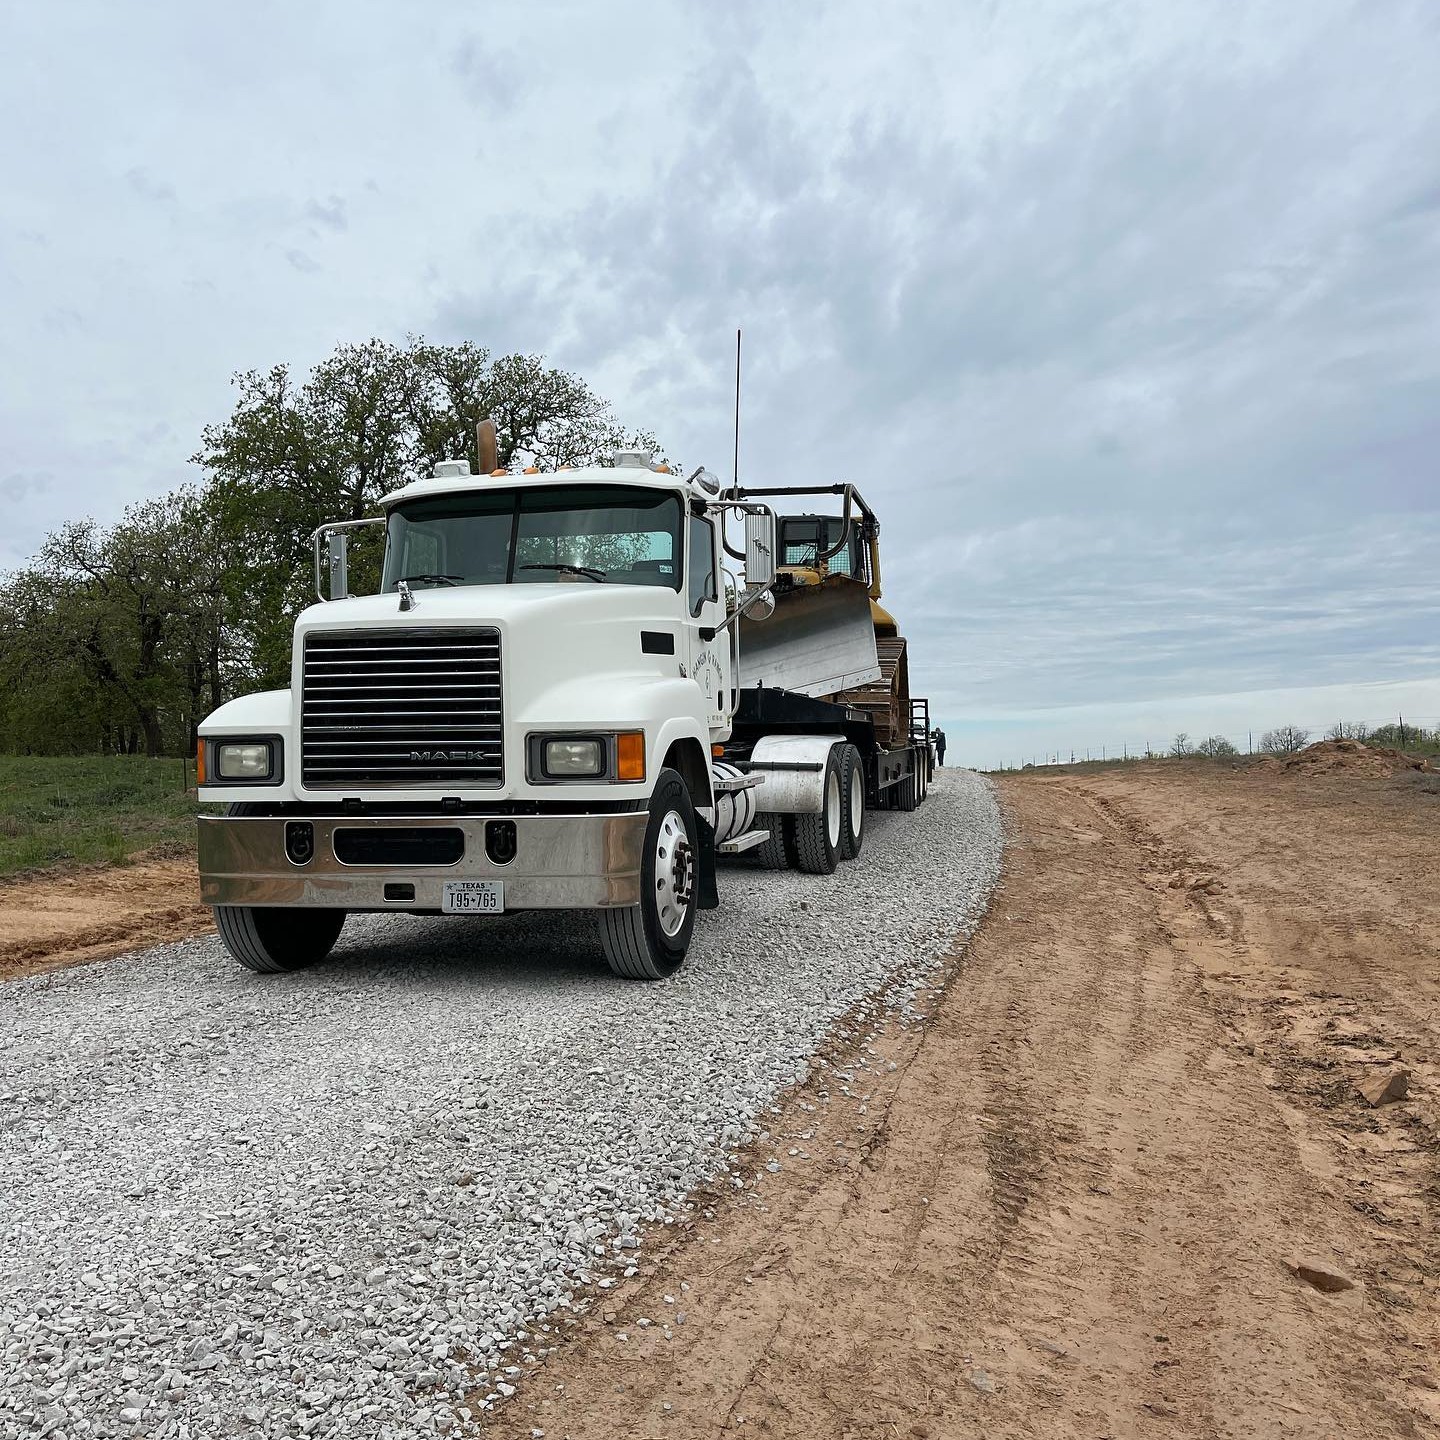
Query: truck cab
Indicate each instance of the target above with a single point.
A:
(489, 730)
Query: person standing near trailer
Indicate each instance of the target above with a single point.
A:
(939, 739)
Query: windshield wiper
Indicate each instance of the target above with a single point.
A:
(434, 579)
(588, 571)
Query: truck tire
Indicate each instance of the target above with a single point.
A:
(852, 799)
(778, 852)
(907, 793)
(818, 837)
(648, 941)
(922, 783)
(274, 940)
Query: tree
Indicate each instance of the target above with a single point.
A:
(292, 456)
(1347, 730)
(1180, 746)
(124, 625)
(1215, 747)
(1404, 736)
(1285, 739)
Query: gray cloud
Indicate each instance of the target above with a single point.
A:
(147, 187)
(1122, 316)
(330, 215)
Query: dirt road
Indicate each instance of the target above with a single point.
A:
(51, 921)
(1070, 1202)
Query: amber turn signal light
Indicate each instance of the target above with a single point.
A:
(630, 755)
(200, 763)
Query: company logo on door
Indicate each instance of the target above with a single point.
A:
(707, 671)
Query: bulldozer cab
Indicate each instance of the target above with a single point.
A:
(827, 543)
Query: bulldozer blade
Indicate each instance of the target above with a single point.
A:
(820, 639)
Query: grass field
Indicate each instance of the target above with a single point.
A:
(81, 809)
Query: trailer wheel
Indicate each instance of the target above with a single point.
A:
(818, 837)
(271, 941)
(907, 792)
(852, 794)
(922, 783)
(648, 941)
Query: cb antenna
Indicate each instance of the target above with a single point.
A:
(735, 473)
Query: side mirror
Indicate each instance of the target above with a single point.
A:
(759, 549)
(339, 547)
(334, 539)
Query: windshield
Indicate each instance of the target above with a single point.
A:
(590, 534)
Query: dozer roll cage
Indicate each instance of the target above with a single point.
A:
(858, 527)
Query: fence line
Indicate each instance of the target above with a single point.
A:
(1400, 731)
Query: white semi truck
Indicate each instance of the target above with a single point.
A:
(561, 698)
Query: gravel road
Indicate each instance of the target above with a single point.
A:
(343, 1201)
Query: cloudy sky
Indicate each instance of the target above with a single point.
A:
(1124, 316)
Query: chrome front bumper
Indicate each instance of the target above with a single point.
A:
(562, 862)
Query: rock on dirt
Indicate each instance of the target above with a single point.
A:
(1319, 1274)
(1387, 1087)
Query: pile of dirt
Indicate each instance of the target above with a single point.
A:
(1353, 757)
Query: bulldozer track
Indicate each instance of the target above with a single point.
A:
(886, 700)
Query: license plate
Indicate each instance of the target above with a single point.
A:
(473, 897)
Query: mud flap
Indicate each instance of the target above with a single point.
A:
(707, 892)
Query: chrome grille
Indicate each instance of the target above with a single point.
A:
(401, 707)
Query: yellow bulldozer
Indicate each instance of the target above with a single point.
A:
(829, 637)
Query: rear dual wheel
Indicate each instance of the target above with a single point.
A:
(838, 831)
(852, 836)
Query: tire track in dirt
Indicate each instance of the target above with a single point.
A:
(1058, 1206)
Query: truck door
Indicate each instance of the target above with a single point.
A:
(707, 661)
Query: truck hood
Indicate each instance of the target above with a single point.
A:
(580, 604)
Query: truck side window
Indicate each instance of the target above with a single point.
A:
(702, 563)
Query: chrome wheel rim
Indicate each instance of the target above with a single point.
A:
(857, 805)
(674, 874)
(832, 808)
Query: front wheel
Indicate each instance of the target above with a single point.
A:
(271, 941)
(648, 941)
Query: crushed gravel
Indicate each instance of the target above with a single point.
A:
(350, 1200)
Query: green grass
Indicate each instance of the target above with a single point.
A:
(59, 810)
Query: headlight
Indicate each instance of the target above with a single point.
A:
(248, 760)
(609, 756)
(574, 757)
